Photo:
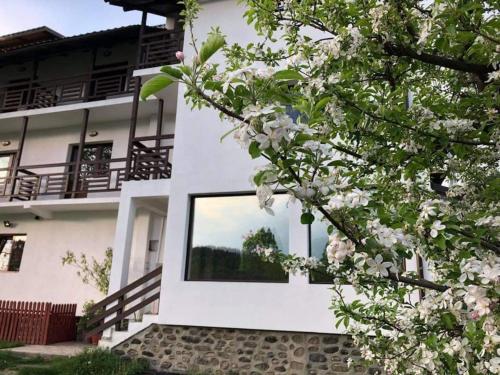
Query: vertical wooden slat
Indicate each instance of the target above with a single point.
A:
(37, 322)
(2, 319)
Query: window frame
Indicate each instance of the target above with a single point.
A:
(11, 236)
(189, 242)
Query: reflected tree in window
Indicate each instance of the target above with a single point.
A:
(252, 264)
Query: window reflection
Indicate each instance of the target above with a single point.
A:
(11, 252)
(318, 244)
(225, 231)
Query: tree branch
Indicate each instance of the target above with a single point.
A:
(445, 62)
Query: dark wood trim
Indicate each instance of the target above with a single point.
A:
(147, 161)
(111, 298)
(144, 19)
(121, 300)
(123, 315)
(133, 124)
(159, 125)
(96, 85)
(125, 301)
(17, 161)
(81, 145)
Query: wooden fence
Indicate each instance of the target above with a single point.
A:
(37, 323)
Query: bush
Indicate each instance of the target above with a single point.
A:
(90, 362)
(101, 362)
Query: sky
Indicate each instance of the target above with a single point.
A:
(68, 17)
(223, 221)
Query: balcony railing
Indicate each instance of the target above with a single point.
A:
(156, 48)
(159, 48)
(67, 180)
(100, 84)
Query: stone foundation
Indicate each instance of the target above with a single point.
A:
(247, 352)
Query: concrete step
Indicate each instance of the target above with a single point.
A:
(116, 337)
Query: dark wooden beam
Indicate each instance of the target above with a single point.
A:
(81, 145)
(159, 126)
(144, 19)
(133, 125)
(19, 153)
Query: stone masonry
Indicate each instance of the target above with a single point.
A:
(196, 350)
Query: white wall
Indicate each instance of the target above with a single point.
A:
(41, 276)
(202, 164)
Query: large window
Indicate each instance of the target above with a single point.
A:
(225, 231)
(11, 252)
(318, 241)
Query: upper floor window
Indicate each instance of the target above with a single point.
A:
(224, 233)
(11, 252)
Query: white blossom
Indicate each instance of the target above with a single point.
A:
(436, 227)
(377, 266)
(338, 249)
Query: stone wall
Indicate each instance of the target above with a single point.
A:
(247, 352)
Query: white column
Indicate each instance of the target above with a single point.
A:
(123, 244)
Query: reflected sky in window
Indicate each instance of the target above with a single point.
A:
(225, 221)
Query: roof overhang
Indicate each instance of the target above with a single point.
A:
(159, 7)
(39, 34)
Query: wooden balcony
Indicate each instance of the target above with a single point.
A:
(148, 159)
(97, 85)
(159, 48)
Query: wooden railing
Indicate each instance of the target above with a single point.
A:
(150, 158)
(37, 323)
(97, 85)
(159, 48)
(113, 309)
(32, 181)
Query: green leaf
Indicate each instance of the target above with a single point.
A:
(185, 69)
(257, 179)
(288, 75)
(254, 150)
(448, 320)
(214, 42)
(307, 218)
(441, 242)
(154, 85)
(171, 71)
(302, 137)
(322, 103)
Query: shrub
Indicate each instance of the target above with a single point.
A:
(101, 362)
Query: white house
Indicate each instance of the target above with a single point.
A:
(86, 166)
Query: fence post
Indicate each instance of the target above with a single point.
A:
(46, 323)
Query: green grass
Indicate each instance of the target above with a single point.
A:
(8, 344)
(91, 362)
(10, 360)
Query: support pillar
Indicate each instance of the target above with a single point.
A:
(135, 103)
(81, 145)
(133, 126)
(122, 247)
(159, 124)
(17, 160)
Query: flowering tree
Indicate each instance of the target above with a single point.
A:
(381, 117)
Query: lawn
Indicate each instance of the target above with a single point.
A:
(8, 344)
(91, 362)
